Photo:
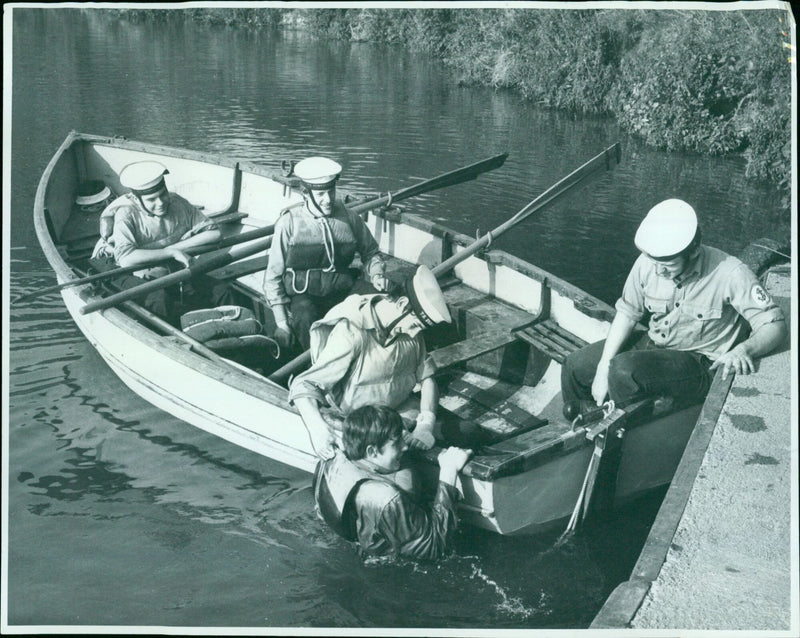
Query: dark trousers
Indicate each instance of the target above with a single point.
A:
(306, 309)
(641, 370)
(201, 291)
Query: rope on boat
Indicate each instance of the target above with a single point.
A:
(584, 500)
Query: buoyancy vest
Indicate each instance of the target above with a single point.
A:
(381, 374)
(319, 252)
(231, 331)
(107, 216)
(219, 323)
(336, 482)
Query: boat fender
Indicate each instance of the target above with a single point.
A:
(209, 324)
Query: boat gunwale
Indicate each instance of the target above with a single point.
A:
(265, 389)
(65, 273)
(237, 379)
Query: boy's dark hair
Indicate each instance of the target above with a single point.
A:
(369, 425)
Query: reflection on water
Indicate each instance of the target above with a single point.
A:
(120, 514)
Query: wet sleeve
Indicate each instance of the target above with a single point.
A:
(274, 290)
(750, 299)
(631, 303)
(332, 365)
(414, 530)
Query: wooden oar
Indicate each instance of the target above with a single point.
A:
(602, 161)
(450, 178)
(209, 263)
(204, 264)
(226, 242)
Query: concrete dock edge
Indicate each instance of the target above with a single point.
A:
(620, 608)
(722, 549)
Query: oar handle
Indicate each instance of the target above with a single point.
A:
(300, 361)
(233, 240)
(205, 264)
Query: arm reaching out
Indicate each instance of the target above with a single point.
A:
(320, 433)
(740, 359)
(621, 328)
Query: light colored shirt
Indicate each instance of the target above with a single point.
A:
(135, 228)
(705, 310)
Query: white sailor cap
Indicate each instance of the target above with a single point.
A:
(144, 177)
(667, 229)
(92, 192)
(426, 298)
(318, 172)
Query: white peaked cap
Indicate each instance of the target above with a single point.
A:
(667, 229)
(427, 300)
(140, 176)
(318, 171)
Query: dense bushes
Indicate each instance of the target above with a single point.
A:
(261, 18)
(709, 82)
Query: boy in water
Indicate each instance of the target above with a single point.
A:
(358, 492)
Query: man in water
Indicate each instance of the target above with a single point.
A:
(314, 244)
(369, 350)
(358, 496)
(150, 224)
(706, 310)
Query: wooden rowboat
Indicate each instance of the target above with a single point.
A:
(499, 363)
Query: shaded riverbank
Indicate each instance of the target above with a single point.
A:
(703, 81)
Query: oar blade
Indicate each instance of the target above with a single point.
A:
(601, 161)
(457, 176)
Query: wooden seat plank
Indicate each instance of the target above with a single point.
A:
(495, 399)
(470, 348)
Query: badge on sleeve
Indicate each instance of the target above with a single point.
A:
(760, 296)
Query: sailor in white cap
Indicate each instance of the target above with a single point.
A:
(700, 305)
(150, 225)
(309, 269)
(369, 350)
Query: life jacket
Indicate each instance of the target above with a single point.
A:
(231, 331)
(336, 482)
(107, 216)
(319, 252)
(222, 322)
(381, 374)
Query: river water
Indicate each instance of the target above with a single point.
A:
(122, 515)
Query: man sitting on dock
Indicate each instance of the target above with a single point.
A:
(309, 261)
(706, 310)
(369, 350)
(358, 494)
(149, 224)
